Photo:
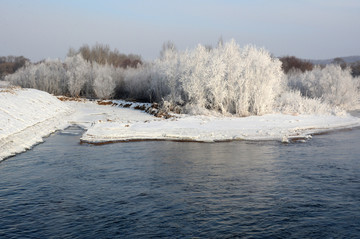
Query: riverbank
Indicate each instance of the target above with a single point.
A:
(28, 115)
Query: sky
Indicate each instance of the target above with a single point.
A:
(309, 29)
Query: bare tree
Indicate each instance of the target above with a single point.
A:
(102, 54)
(291, 63)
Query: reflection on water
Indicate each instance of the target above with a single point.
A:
(62, 189)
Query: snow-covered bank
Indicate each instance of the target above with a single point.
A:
(26, 116)
(211, 129)
(89, 113)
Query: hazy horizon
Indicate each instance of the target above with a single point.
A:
(316, 29)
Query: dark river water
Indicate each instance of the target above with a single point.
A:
(62, 189)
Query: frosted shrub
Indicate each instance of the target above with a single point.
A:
(292, 102)
(24, 77)
(49, 76)
(104, 83)
(165, 79)
(331, 85)
(57, 82)
(137, 83)
(118, 76)
(78, 72)
(227, 79)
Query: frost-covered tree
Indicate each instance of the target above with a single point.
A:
(23, 77)
(55, 79)
(228, 79)
(48, 75)
(78, 72)
(291, 63)
(104, 83)
(137, 83)
(332, 85)
(102, 54)
(292, 102)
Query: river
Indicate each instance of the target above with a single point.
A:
(64, 189)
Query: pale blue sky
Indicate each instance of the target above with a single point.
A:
(314, 29)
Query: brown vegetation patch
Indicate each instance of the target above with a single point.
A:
(155, 111)
(102, 54)
(65, 98)
(103, 102)
(155, 105)
(292, 63)
(127, 105)
(10, 89)
(140, 107)
(163, 114)
(10, 64)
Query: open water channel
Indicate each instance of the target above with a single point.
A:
(64, 189)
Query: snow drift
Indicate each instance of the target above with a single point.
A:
(277, 127)
(26, 116)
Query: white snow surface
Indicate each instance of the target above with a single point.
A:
(28, 115)
(211, 129)
(88, 114)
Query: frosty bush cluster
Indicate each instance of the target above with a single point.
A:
(73, 77)
(331, 85)
(227, 80)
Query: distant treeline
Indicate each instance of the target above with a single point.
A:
(226, 79)
(102, 55)
(291, 63)
(9, 64)
(99, 53)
